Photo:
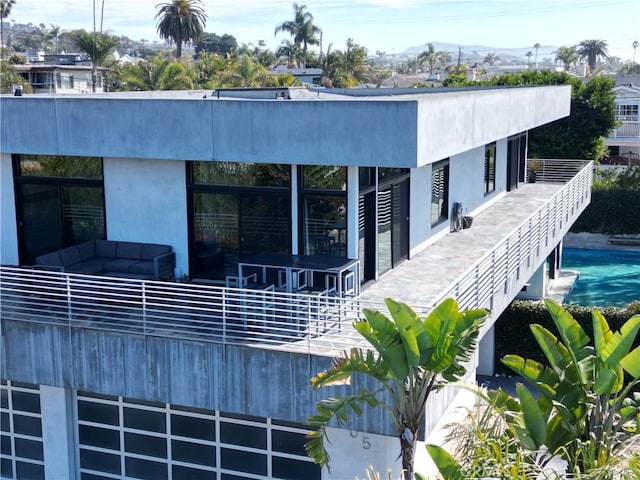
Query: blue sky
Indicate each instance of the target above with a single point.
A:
(385, 25)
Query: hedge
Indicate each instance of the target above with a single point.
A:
(513, 336)
(612, 211)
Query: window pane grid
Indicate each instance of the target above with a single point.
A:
(22, 454)
(223, 461)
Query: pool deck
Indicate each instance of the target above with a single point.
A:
(598, 241)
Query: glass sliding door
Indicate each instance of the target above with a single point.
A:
(40, 221)
(82, 213)
(215, 233)
(400, 236)
(236, 210)
(264, 224)
(59, 202)
(385, 224)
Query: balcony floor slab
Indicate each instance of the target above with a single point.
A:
(421, 280)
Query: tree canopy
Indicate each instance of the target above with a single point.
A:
(302, 29)
(224, 44)
(592, 50)
(180, 21)
(96, 45)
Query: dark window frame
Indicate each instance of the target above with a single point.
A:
(490, 168)
(443, 167)
(307, 192)
(60, 182)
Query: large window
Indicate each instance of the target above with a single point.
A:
(323, 209)
(60, 202)
(21, 446)
(236, 210)
(439, 192)
(627, 113)
(120, 437)
(490, 168)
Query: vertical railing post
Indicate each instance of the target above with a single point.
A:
(69, 307)
(224, 315)
(143, 292)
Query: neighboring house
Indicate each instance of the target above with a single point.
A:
(289, 214)
(624, 141)
(57, 79)
(311, 76)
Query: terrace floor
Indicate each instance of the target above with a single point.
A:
(420, 280)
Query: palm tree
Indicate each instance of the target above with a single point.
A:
(301, 29)
(443, 58)
(413, 358)
(5, 10)
(567, 55)
(428, 55)
(529, 54)
(180, 21)
(97, 46)
(592, 50)
(54, 33)
(288, 50)
(537, 47)
(491, 58)
(635, 45)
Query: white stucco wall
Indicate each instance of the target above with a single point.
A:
(352, 452)
(8, 226)
(466, 185)
(146, 201)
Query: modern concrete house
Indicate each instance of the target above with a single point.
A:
(288, 214)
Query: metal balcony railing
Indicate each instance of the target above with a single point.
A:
(318, 323)
(550, 222)
(627, 129)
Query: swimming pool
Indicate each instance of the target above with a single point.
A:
(607, 277)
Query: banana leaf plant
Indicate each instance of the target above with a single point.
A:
(410, 358)
(587, 405)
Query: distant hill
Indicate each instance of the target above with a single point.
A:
(475, 53)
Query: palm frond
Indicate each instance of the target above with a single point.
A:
(338, 410)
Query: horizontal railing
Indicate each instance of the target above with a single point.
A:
(539, 233)
(556, 170)
(626, 130)
(318, 323)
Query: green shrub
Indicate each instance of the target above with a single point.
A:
(610, 212)
(512, 334)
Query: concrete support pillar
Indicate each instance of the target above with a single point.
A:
(353, 192)
(57, 432)
(294, 210)
(537, 285)
(486, 353)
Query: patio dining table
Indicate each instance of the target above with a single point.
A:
(298, 270)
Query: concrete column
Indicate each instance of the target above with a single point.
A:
(537, 284)
(486, 353)
(294, 210)
(57, 432)
(353, 193)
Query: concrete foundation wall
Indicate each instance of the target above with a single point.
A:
(231, 378)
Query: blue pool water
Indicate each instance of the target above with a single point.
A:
(607, 277)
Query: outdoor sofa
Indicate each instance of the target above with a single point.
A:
(112, 258)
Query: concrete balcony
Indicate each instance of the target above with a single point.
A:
(476, 266)
(220, 348)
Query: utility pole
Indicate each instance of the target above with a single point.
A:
(459, 57)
